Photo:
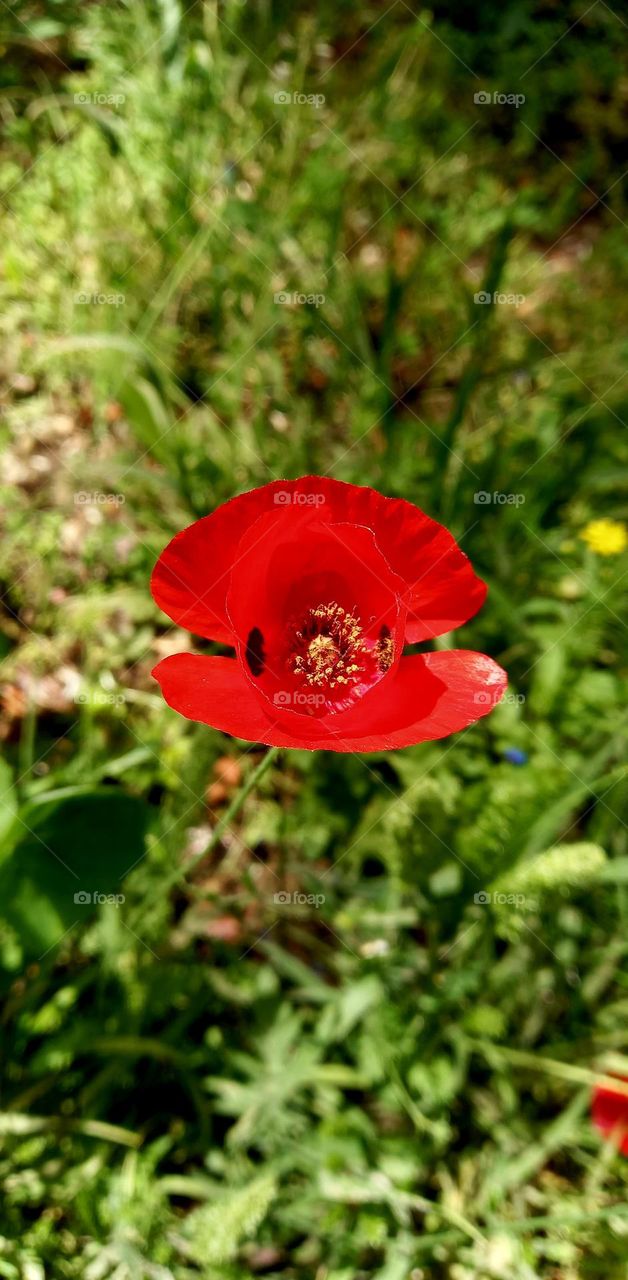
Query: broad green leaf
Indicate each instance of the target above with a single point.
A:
(70, 846)
(148, 416)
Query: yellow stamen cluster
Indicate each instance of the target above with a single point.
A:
(330, 647)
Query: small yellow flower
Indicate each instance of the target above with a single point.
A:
(606, 537)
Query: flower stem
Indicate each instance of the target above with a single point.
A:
(240, 796)
(230, 813)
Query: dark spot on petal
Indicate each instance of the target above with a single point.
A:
(255, 655)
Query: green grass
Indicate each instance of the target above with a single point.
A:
(394, 1081)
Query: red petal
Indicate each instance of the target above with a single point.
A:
(609, 1112)
(191, 578)
(429, 696)
(214, 691)
(443, 591)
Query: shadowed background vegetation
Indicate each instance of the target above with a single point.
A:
(387, 1075)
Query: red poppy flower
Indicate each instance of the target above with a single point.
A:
(317, 585)
(609, 1112)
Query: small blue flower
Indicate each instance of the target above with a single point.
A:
(514, 755)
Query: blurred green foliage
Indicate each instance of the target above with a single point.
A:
(200, 1081)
